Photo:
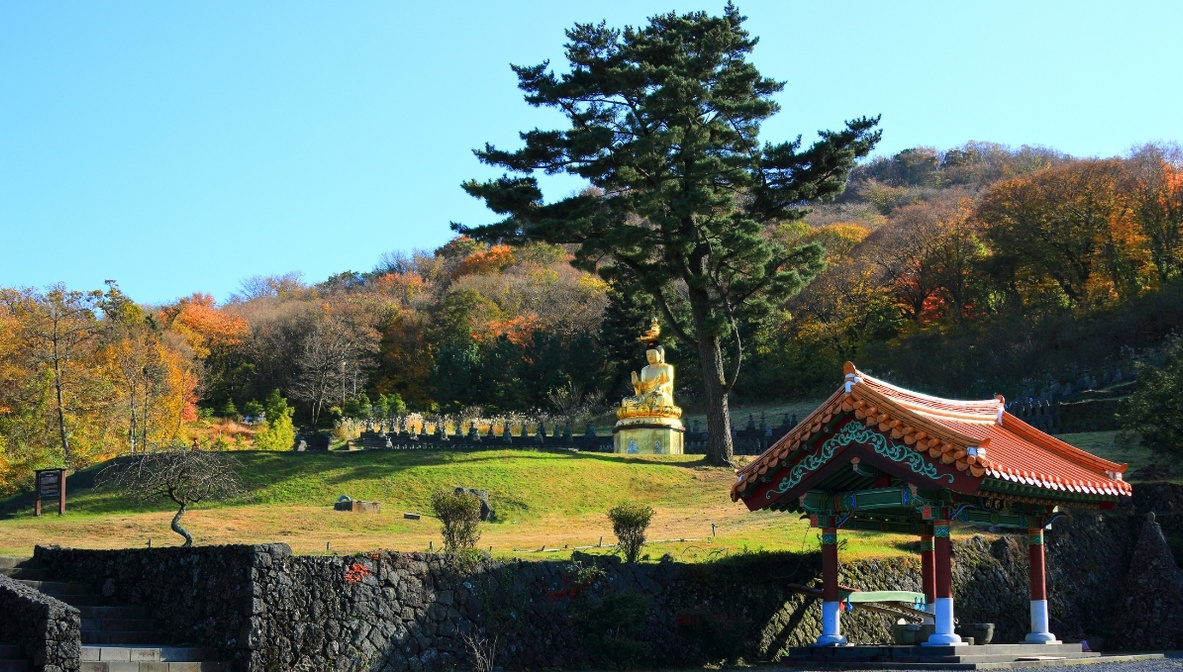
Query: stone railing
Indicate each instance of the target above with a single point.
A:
(48, 631)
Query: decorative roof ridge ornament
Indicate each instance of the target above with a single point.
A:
(650, 336)
(852, 378)
(1001, 407)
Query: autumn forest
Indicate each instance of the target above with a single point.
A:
(965, 272)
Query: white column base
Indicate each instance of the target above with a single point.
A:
(944, 635)
(1039, 625)
(831, 625)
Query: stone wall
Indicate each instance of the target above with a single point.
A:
(49, 632)
(200, 595)
(269, 610)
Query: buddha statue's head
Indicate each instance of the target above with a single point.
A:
(655, 355)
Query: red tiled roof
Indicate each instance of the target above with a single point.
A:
(978, 437)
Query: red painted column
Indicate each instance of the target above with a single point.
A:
(1040, 631)
(830, 564)
(928, 576)
(943, 613)
(831, 609)
(1038, 565)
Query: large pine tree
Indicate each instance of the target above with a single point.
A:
(664, 126)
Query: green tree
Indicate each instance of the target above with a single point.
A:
(279, 433)
(665, 122)
(1154, 411)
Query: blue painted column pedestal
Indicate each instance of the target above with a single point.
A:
(831, 607)
(943, 634)
(1039, 618)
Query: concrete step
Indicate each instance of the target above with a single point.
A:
(151, 659)
(92, 612)
(115, 624)
(29, 573)
(148, 654)
(56, 588)
(985, 658)
(7, 561)
(137, 638)
(79, 601)
(185, 666)
(11, 659)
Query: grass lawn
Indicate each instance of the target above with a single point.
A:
(1106, 445)
(545, 500)
(551, 501)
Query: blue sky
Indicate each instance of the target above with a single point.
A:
(181, 147)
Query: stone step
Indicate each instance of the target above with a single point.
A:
(7, 561)
(104, 612)
(183, 666)
(137, 638)
(56, 588)
(29, 573)
(985, 658)
(79, 601)
(115, 624)
(147, 654)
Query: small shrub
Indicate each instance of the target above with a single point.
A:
(629, 522)
(460, 516)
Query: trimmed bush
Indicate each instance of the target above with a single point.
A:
(629, 522)
(460, 517)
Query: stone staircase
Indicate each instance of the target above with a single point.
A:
(114, 638)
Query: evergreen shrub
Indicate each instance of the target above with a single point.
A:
(460, 517)
(629, 522)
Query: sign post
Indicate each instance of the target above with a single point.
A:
(51, 483)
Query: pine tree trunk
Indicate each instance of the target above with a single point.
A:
(176, 525)
(710, 356)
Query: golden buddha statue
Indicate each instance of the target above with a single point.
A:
(648, 421)
(653, 388)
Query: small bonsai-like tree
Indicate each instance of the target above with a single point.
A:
(629, 522)
(178, 474)
(460, 514)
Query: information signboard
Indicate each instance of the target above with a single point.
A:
(51, 484)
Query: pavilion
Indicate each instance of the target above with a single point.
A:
(878, 457)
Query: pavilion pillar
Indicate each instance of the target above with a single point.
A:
(928, 568)
(831, 607)
(943, 634)
(1039, 617)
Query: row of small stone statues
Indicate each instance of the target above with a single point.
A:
(494, 431)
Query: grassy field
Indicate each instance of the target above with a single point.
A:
(554, 501)
(551, 501)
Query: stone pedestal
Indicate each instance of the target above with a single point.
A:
(653, 436)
